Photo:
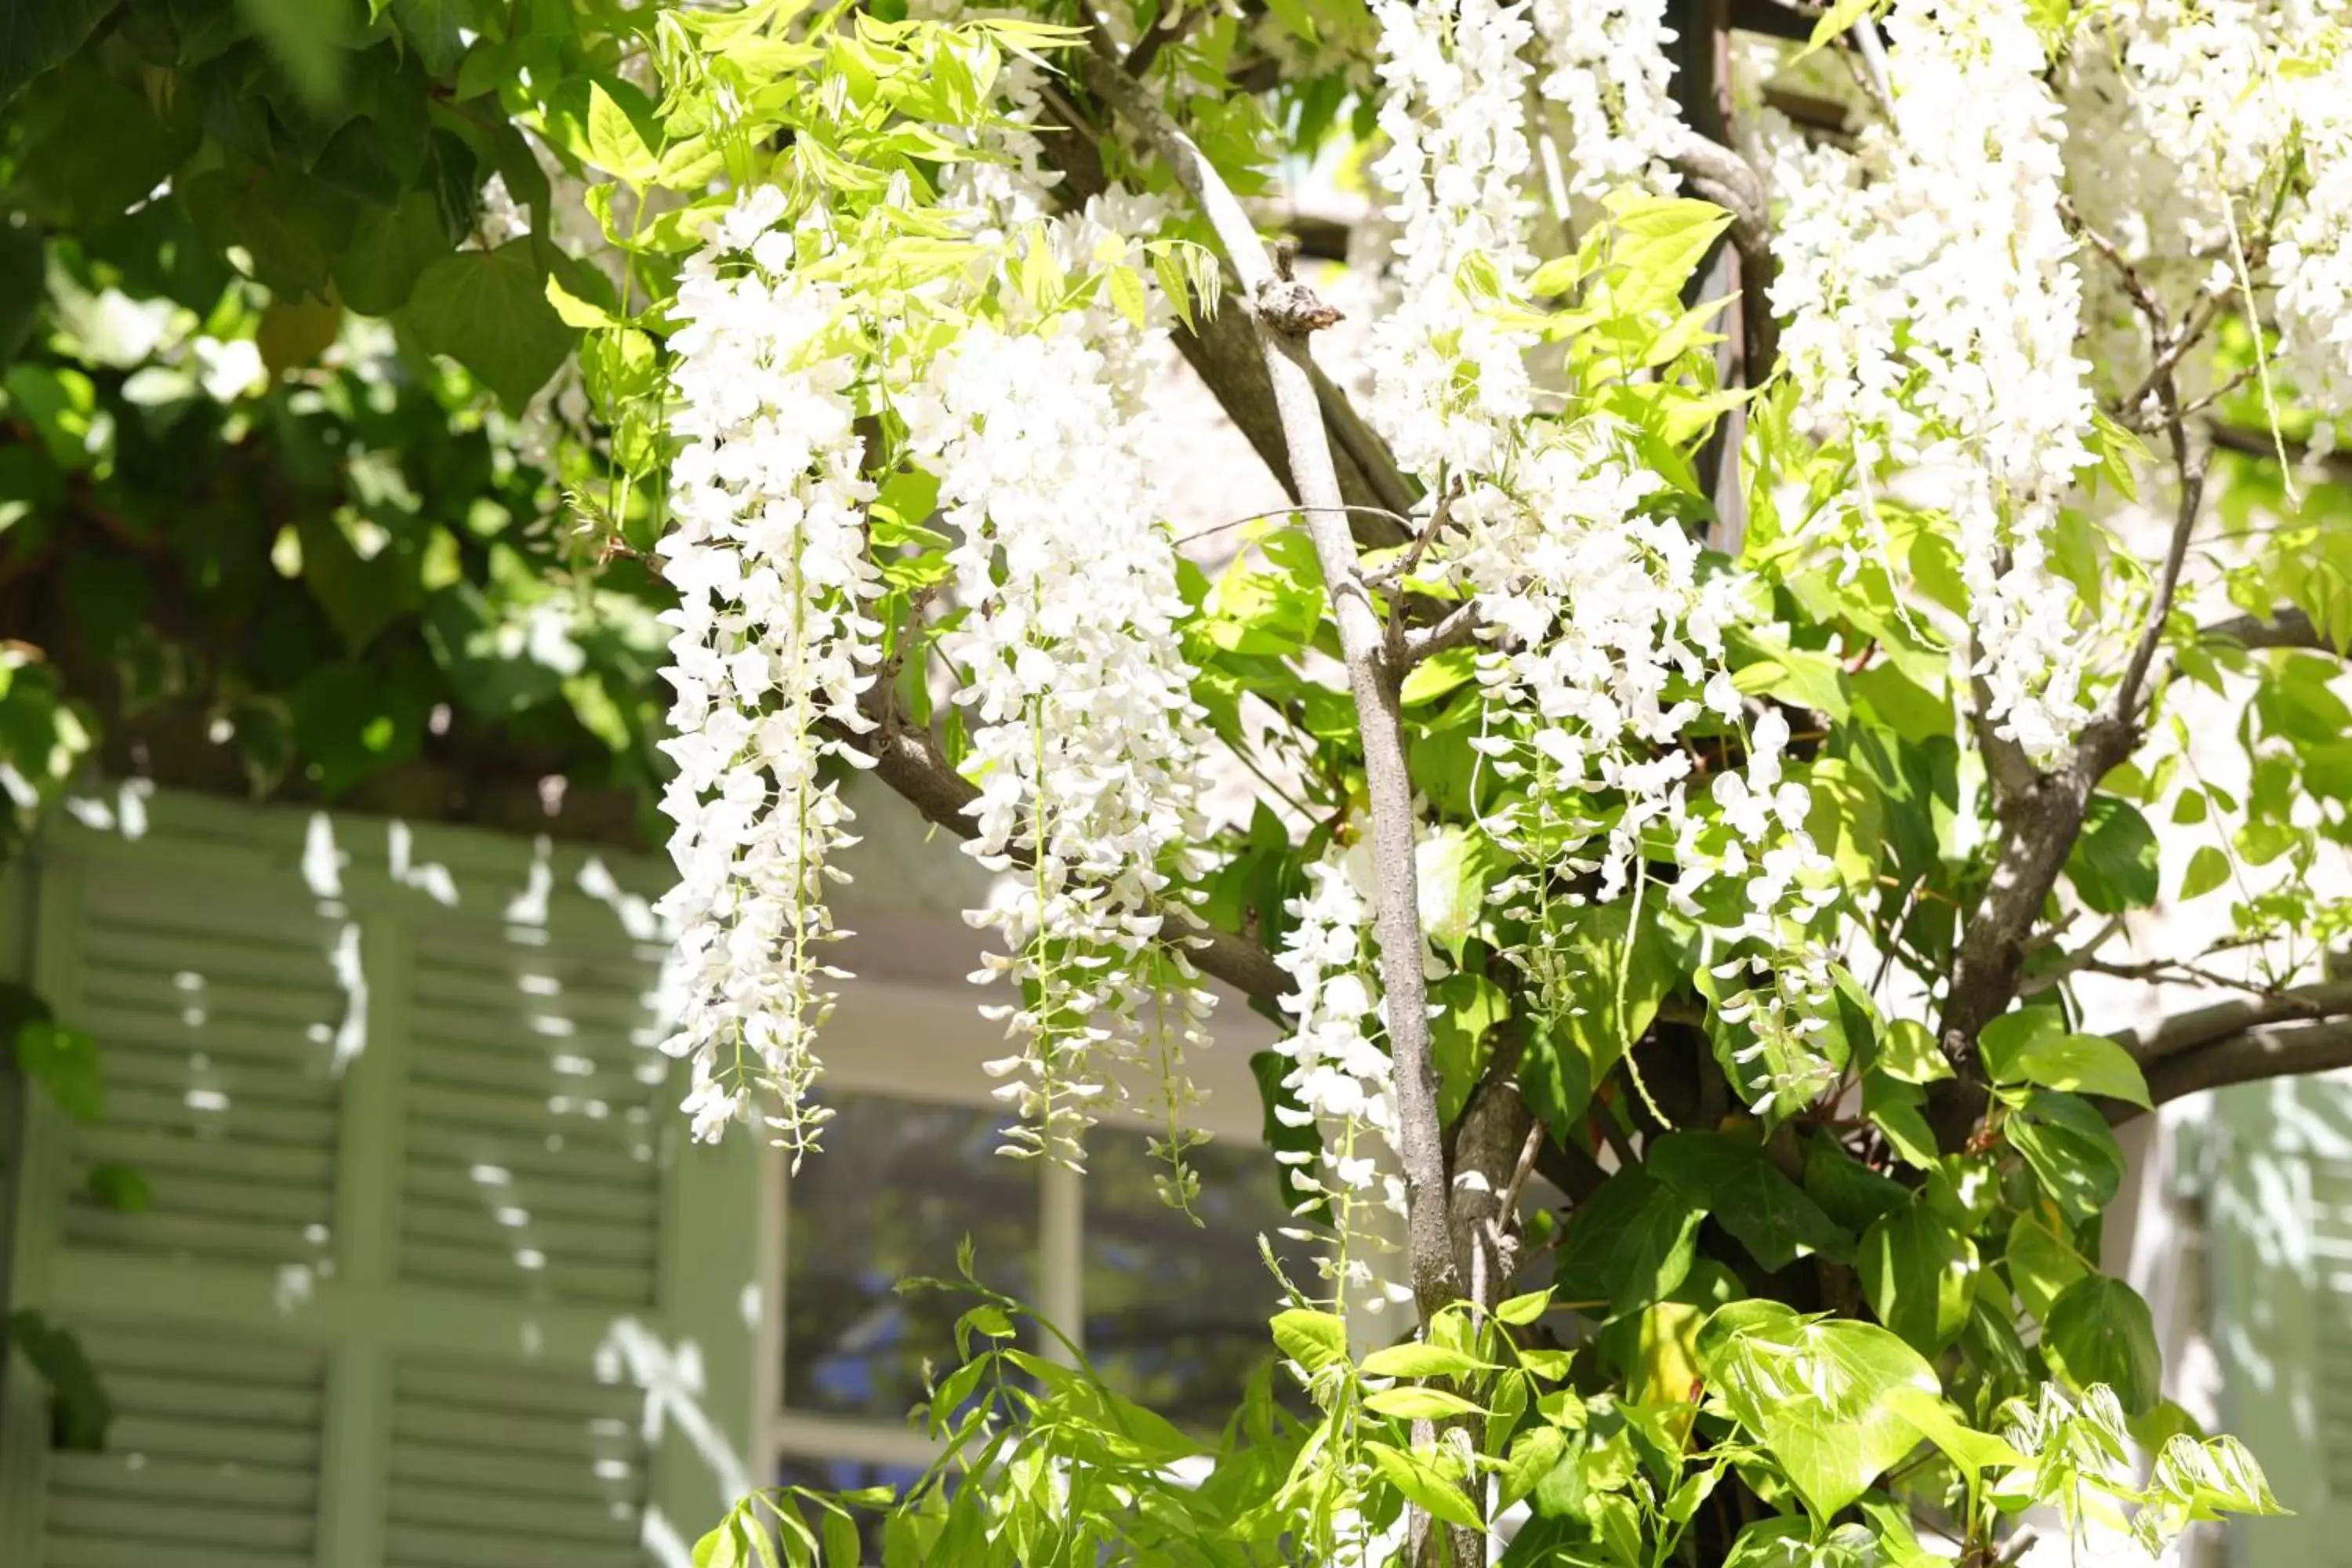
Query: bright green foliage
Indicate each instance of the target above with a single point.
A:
(320, 477)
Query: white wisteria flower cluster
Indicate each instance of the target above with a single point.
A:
(1342, 1080)
(1611, 74)
(1932, 301)
(1085, 741)
(1603, 643)
(2214, 128)
(1449, 380)
(771, 647)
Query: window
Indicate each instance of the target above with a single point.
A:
(1172, 1314)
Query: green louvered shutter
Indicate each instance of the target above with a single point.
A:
(430, 1279)
(2272, 1165)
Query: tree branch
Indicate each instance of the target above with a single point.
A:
(1284, 311)
(1459, 628)
(2190, 460)
(2284, 627)
(2271, 1050)
(2187, 1032)
(2042, 819)
(2257, 444)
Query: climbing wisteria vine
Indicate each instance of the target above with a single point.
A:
(1705, 708)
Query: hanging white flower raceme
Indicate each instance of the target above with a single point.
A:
(1932, 301)
(1612, 77)
(1449, 379)
(1603, 644)
(2311, 259)
(1341, 1079)
(1085, 741)
(2198, 119)
(770, 643)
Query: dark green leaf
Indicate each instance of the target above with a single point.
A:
(1577, 1050)
(291, 226)
(1468, 1008)
(2071, 1150)
(307, 38)
(23, 256)
(390, 250)
(97, 146)
(2100, 1331)
(1731, 1178)
(1628, 1244)
(2041, 1263)
(1920, 1278)
(488, 311)
(37, 34)
(121, 1188)
(80, 1411)
(1892, 1106)
(435, 29)
(64, 1063)
(1849, 1191)
(2113, 865)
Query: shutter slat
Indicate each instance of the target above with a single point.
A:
(269, 1242)
(495, 1513)
(197, 1439)
(119, 1473)
(468, 1146)
(106, 1552)
(549, 1070)
(160, 1153)
(221, 1038)
(503, 1271)
(174, 1072)
(214, 1398)
(519, 1391)
(606, 1479)
(229, 1199)
(212, 959)
(635, 1205)
(156, 995)
(535, 1035)
(542, 984)
(145, 1348)
(299, 1126)
(176, 1524)
(577, 1119)
(583, 1240)
(416, 1546)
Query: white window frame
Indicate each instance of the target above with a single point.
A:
(917, 1038)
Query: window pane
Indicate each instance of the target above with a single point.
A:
(896, 1188)
(1176, 1313)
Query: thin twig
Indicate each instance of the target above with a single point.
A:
(1459, 628)
(1879, 75)
(1291, 512)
